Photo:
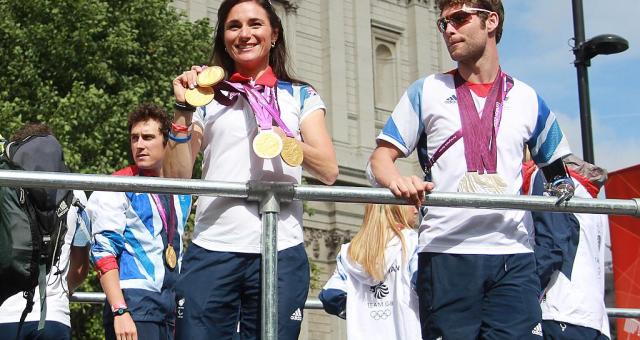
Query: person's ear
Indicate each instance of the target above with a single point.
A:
(492, 21)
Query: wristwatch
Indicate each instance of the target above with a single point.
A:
(119, 309)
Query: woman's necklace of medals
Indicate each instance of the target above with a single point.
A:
(267, 143)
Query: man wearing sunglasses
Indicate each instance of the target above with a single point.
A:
(476, 269)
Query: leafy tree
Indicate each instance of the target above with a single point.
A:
(81, 66)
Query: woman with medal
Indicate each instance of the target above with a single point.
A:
(476, 270)
(138, 239)
(262, 125)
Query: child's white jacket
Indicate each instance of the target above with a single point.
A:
(374, 309)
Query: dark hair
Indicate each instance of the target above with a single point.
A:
(490, 5)
(148, 111)
(277, 57)
(31, 129)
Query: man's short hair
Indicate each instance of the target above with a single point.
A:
(490, 5)
(31, 129)
(149, 111)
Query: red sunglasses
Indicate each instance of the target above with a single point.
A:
(458, 18)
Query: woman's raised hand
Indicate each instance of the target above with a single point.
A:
(186, 80)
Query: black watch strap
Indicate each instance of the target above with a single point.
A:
(184, 106)
(120, 311)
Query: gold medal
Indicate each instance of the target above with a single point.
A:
(170, 257)
(199, 96)
(210, 76)
(267, 144)
(291, 151)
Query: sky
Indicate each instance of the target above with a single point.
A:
(536, 48)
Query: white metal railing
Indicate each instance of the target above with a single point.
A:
(287, 191)
(270, 194)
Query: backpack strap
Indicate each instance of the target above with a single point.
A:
(28, 295)
(42, 289)
(42, 268)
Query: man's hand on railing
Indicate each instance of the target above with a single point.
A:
(411, 188)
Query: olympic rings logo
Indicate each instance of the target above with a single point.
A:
(381, 314)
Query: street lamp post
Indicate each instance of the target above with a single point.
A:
(584, 51)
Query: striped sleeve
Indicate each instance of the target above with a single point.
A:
(106, 212)
(404, 127)
(82, 237)
(309, 101)
(339, 278)
(547, 143)
(79, 218)
(334, 293)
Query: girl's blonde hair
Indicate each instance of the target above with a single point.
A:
(381, 222)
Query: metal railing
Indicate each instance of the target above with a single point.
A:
(270, 194)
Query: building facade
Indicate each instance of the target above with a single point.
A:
(360, 56)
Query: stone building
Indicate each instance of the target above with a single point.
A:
(359, 55)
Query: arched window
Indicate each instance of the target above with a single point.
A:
(386, 68)
(385, 77)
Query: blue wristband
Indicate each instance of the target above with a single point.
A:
(179, 139)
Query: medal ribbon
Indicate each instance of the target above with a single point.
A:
(480, 132)
(169, 224)
(508, 84)
(262, 100)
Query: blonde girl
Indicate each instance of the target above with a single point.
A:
(372, 284)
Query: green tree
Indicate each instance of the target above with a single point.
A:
(81, 66)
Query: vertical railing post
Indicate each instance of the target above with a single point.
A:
(269, 209)
(269, 195)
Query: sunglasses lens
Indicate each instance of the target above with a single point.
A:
(459, 18)
(456, 19)
(442, 24)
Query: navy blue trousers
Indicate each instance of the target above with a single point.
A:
(554, 330)
(478, 296)
(52, 331)
(218, 290)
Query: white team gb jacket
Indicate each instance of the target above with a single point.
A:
(374, 309)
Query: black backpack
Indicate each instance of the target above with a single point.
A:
(33, 221)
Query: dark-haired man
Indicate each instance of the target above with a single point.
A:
(476, 271)
(137, 246)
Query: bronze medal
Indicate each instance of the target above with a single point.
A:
(291, 151)
(267, 144)
(170, 257)
(199, 96)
